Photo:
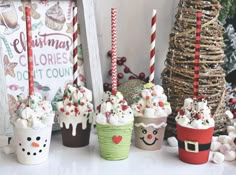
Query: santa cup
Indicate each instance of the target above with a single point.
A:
(149, 132)
(32, 145)
(194, 144)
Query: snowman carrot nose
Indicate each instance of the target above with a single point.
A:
(34, 144)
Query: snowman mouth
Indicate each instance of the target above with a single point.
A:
(149, 144)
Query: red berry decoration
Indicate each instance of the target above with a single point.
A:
(123, 59)
(119, 62)
(131, 77)
(110, 72)
(235, 140)
(142, 75)
(161, 103)
(126, 70)
(120, 75)
(109, 53)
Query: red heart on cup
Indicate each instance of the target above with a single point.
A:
(116, 139)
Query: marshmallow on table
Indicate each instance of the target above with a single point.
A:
(3, 141)
(230, 155)
(224, 148)
(218, 157)
(8, 150)
(230, 128)
(172, 141)
(215, 146)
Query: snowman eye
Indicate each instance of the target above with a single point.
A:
(144, 131)
(37, 138)
(155, 132)
(29, 138)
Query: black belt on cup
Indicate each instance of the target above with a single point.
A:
(193, 147)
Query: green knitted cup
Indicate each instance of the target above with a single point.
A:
(114, 141)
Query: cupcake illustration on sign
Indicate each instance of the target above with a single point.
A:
(8, 17)
(151, 111)
(55, 18)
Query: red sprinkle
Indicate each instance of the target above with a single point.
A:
(124, 107)
(181, 112)
(67, 113)
(62, 110)
(161, 103)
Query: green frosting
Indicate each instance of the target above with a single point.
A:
(108, 148)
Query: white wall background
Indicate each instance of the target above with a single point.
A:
(134, 21)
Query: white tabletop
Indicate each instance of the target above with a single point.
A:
(86, 160)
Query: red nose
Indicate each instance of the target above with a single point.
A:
(149, 136)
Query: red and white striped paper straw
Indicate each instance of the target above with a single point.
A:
(114, 50)
(152, 47)
(75, 47)
(29, 50)
(197, 55)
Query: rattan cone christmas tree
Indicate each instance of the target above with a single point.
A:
(178, 75)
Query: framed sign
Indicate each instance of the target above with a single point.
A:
(52, 38)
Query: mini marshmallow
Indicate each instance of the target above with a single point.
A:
(214, 138)
(230, 129)
(21, 123)
(160, 112)
(218, 157)
(114, 119)
(106, 107)
(36, 123)
(3, 141)
(197, 124)
(183, 121)
(215, 146)
(232, 135)
(229, 114)
(48, 120)
(224, 148)
(149, 112)
(188, 103)
(158, 89)
(230, 155)
(223, 138)
(101, 118)
(172, 141)
(27, 113)
(8, 150)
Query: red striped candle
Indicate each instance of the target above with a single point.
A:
(29, 50)
(75, 47)
(152, 47)
(114, 50)
(197, 55)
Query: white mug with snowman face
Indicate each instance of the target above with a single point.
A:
(32, 145)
